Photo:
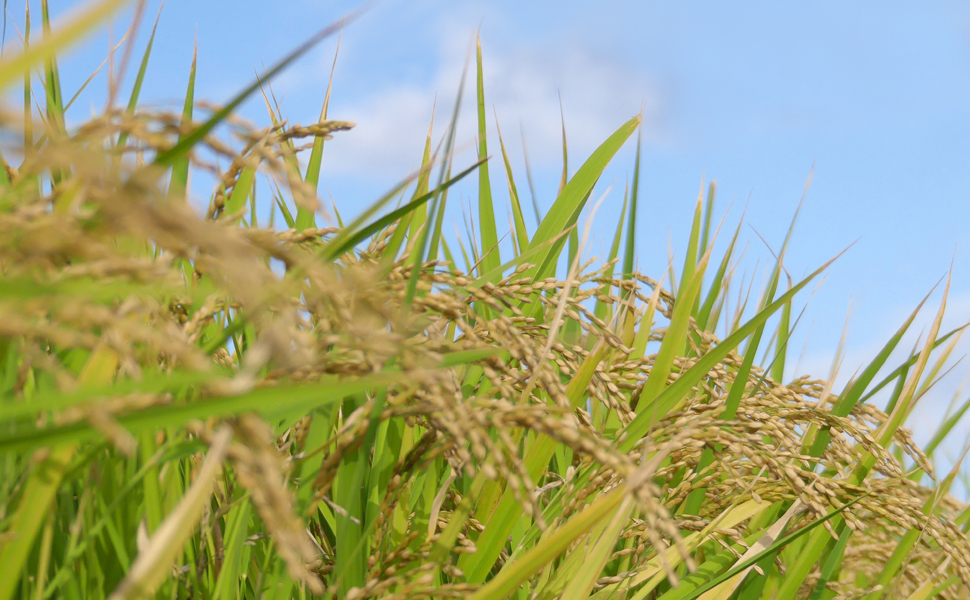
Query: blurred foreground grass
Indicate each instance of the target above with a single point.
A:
(216, 407)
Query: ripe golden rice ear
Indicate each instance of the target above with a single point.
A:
(261, 470)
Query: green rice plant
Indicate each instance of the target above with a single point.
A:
(200, 405)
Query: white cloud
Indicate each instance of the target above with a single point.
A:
(521, 83)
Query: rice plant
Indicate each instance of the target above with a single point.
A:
(210, 405)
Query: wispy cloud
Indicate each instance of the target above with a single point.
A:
(523, 84)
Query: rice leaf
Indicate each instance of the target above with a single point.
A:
(139, 78)
(178, 183)
(304, 218)
(491, 256)
(521, 233)
(565, 211)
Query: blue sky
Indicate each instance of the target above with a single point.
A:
(875, 95)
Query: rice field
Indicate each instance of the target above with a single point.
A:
(219, 404)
